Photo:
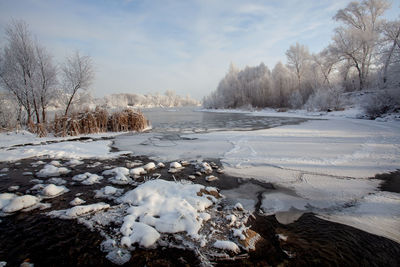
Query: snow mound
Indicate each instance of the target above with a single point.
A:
(138, 171)
(139, 233)
(149, 166)
(50, 170)
(169, 207)
(52, 190)
(57, 181)
(121, 175)
(77, 201)
(19, 203)
(226, 245)
(108, 192)
(87, 178)
(175, 165)
(74, 162)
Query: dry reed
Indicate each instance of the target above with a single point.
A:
(98, 121)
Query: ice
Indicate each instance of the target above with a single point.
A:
(56, 181)
(276, 202)
(5, 199)
(78, 210)
(136, 232)
(77, 201)
(74, 162)
(52, 190)
(377, 213)
(168, 206)
(20, 202)
(13, 188)
(109, 192)
(51, 170)
(226, 245)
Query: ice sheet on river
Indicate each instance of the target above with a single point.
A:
(325, 162)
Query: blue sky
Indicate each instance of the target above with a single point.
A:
(141, 46)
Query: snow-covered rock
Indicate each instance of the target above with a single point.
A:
(137, 171)
(50, 170)
(175, 165)
(77, 211)
(226, 245)
(149, 166)
(136, 232)
(77, 201)
(20, 202)
(168, 206)
(52, 190)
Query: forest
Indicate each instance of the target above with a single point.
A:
(363, 56)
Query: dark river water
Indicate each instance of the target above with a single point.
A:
(193, 120)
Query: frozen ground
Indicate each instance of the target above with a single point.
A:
(326, 162)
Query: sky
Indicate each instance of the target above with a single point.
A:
(149, 46)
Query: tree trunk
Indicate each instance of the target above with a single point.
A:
(69, 103)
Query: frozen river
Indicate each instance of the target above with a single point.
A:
(325, 165)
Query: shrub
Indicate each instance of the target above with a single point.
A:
(382, 102)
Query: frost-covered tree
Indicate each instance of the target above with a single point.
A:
(390, 51)
(77, 74)
(357, 41)
(297, 59)
(27, 71)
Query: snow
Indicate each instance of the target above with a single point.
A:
(322, 165)
(139, 233)
(227, 245)
(175, 165)
(52, 190)
(121, 175)
(149, 166)
(77, 211)
(109, 192)
(167, 206)
(77, 201)
(137, 171)
(20, 202)
(68, 150)
(51, 170)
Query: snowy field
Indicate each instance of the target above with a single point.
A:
(326, 162)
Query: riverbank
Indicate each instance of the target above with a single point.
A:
(43, 240)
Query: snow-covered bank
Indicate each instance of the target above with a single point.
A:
(325, 162)
(21, 145)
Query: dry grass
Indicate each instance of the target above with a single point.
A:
(98, 121)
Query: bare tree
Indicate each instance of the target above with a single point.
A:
(297, 57)
(77, 73)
